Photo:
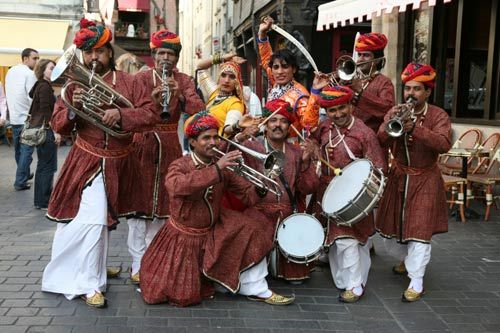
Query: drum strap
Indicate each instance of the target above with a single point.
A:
(291, 196)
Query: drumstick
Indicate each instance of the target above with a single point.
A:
(336, 171)
(266, 120)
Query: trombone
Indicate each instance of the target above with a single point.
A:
(347, 69)
(273, 166)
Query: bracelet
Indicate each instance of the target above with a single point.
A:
(216, 58)
(236, 128)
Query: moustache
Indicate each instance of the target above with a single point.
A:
(278, 129)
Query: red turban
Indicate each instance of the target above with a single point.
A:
(166, 39)
(333, 96)
(199, 122)
(91, 36)
(285, 109)
(372, 41)
(420, 73)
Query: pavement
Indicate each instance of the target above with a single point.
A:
(462, 283)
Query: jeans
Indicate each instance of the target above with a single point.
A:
(24, 157)
(45, 170)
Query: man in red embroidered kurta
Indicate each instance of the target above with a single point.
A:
(280, 67)
(88, 195)
(155, 150)
(203, 242)
(343, 138)
(298, 174)
(413, 207)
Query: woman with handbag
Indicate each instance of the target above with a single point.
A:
(39, 117)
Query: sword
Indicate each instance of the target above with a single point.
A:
(296, 43)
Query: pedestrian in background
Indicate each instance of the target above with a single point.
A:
(18, 83)
(252, 102)
(40, 115)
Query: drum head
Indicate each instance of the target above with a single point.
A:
(346, 187)
(300, 235)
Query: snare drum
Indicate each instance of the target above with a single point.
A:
(300, 238)
(352, 196)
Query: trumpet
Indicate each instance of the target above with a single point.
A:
(395, 126)
(272, 163)
(97, 96)
(166, 94)
(347, 69)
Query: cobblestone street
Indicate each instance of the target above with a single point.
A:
(462, 283)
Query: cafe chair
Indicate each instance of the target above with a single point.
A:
(456, 185)
(471, 139)
(484, 184)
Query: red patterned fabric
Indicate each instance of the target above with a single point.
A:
(426, 211)
(375, 101)
(372, 41)
(80, 167)
(364, 144)
(156, 149)
(174, 267)
(420, 73)
(301, 182)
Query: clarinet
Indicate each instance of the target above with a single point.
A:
(165, 114)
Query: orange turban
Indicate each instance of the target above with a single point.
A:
(372, 41)
(166, 39)
(91, 36)
(333, 96)
(420, 73)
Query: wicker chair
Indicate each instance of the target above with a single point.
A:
(469, 139)
(455, 185)
(485, 183)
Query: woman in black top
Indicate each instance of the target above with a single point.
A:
(40, 115)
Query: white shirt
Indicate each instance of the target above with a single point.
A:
(252, 102)
(3, 104)
(18, 83)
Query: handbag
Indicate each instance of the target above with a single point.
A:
(35, 136)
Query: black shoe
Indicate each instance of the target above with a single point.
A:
(31, 176)
(22, 188)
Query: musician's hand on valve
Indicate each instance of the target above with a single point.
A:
(78, 98)
(393, 112)
(265, 26)
(156, 95)
(232, 158)
(356, 85)
(173, 85)
(111, 117)
(408, 125)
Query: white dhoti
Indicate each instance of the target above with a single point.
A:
(253, 281)
(140, 234)
(350, 264)
(79, 250)
(416, 256)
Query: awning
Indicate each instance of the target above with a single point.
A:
(45, 36)
(344, 12)
(134, 5)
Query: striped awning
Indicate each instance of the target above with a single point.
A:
(345, 12)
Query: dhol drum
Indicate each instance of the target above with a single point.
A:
(354, 194)
(300, 238)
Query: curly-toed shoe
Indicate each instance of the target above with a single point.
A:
(113, 272)
(96, 301)
(348, 296)
(410, 295)
(274, 299)
(135, 279)
(399, 269)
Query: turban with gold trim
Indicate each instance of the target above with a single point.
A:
(166, 39)
(372, 41)
(420, 73)
(333, 96)
(91, 36)
(199, 122)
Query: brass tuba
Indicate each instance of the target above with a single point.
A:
(97, 95)
(273, 167)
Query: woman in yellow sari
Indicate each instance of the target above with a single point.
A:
(224, 98)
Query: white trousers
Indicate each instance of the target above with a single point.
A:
(140, 234)
(349, 263)
(80, 248)
(415, 255)
(253, 281)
